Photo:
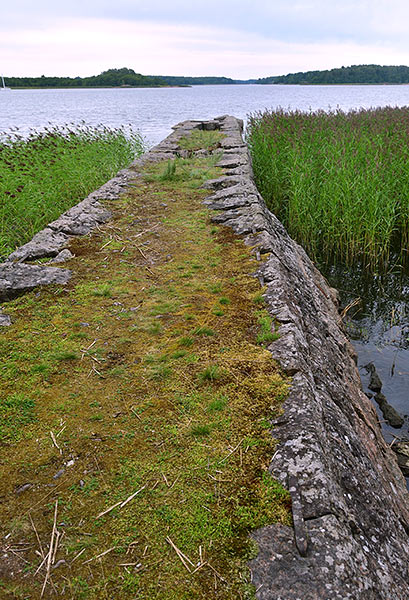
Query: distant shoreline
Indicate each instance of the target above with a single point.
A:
(98, 87)
(127, 78)
(156, 87)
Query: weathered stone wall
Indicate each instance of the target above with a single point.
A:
(350, 504)
(18, 275)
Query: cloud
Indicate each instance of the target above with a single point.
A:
(359, 21)
(237, 38)
(89, 46)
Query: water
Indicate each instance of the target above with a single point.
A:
(154, 110)
(378, 327)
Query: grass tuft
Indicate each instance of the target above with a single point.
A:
(66, 355)
(267, 331)
(104, 291)
(198, 140)
(201, 430)
(210, 373)
(204, 331)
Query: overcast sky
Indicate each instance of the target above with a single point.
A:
(234, 38)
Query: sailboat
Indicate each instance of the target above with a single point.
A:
(3, 87)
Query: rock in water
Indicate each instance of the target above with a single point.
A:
(375, 383)
(389, 413)
(401, 450)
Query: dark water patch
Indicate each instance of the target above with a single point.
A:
(376, 316)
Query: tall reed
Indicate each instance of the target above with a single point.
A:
(46, 173)
(339, 181)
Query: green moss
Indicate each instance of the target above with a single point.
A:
(139, 410)
(16, 410)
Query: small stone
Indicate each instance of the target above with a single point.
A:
(63, 256)
(58, 474)
(60, 563)
(5, 320)
(23, 488)
(401, 450)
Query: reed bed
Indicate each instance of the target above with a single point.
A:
(46, 173)
(339, 181)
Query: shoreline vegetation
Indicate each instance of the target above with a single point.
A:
(128, 78)
(43, 175)
(354, 75)
(337, 180)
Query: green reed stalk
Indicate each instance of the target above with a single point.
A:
(339, 181)
(46, 173)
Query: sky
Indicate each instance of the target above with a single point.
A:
(233, 38)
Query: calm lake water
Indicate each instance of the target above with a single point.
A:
(154, 111)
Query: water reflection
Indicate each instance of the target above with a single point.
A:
(378, 326)
(379, 304)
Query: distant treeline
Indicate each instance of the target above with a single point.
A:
(359, 74)
(363, 74)
(171, 80)
(111, 78)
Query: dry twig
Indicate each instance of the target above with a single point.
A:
(50, 551)
(182, 557)
(99, 555)
(120, 504)
(232, 451)
(55, 442)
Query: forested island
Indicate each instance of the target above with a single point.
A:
(112, 78)
(356, 74)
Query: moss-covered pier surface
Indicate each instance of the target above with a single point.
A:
(137, 400)
(145, 387)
